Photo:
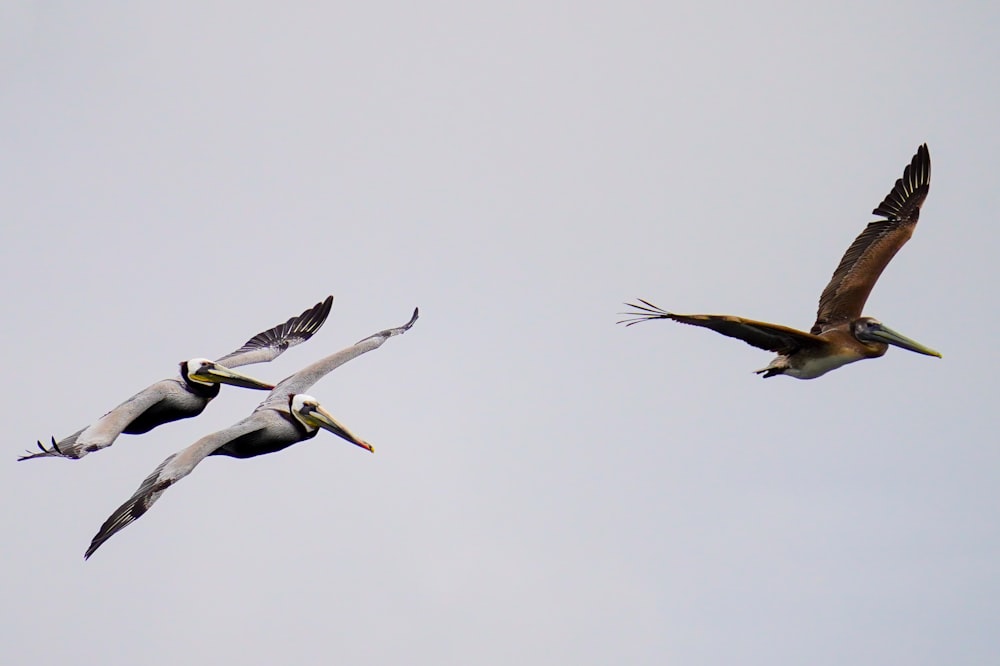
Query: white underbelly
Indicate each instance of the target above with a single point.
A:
(811, 368)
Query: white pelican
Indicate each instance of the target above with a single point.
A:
(287, 416)
(188, 394)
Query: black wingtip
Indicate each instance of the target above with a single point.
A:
(43, 452)
(95, 543)
(396, 330)
(324, 310)
(312, 319)
(907, 195)
(102, 535)
(290, 333)
(646, 312)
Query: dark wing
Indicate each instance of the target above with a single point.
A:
(863, 263)
(169, 472)
(150, 490)
(772, 337)
(269, 344)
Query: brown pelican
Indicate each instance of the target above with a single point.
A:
(287, 416)
(840, 335)
(187, 395)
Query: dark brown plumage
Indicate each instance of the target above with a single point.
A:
(844, 297)
(840, 335)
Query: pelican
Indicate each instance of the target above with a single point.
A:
(287, 416)
(187, 395)
(840, 335)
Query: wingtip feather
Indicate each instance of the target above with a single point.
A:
(646, 312)
(908, 193)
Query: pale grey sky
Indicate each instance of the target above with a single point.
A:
(548, 488)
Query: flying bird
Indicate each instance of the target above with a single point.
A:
(840, 335)
(188, 394)
(287, 416)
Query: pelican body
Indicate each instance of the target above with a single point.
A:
(187, 395)
(284, 427)
(287, 416)
(841, 335)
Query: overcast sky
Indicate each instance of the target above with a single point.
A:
(547, 487)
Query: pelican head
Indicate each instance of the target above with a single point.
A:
(867, 329)
(311, 414)
(204, 371)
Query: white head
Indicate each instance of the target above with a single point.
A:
(208, 373)
(196, 370)
(307, 410)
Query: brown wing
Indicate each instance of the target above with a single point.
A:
(863, 263)
(763, 335)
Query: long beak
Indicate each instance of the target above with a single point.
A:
(326, 421)
(221, 375)
(886, 334)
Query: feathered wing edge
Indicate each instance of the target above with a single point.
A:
(645, 312)
(148, 492)
(103, 432)
(304, 379)
(907, 195)
(169, 472)
(845, 295)
(760, 334)
(398, 330)
(56, 450)
(268, 345)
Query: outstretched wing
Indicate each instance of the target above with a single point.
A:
(149, 491)
(869, 254)
(780, 339)
(270, 344)
(169, 472)
(103, 432)
(302, 380)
